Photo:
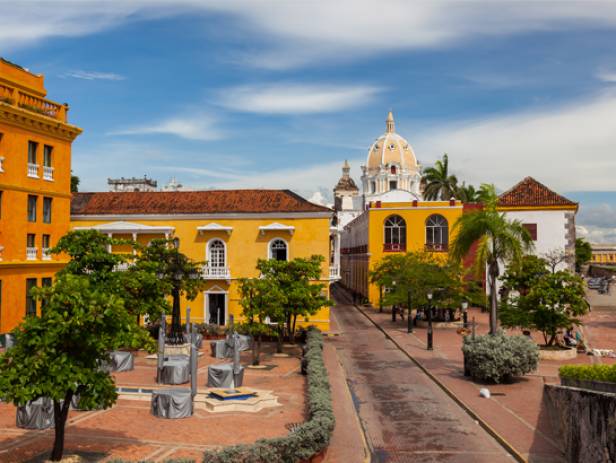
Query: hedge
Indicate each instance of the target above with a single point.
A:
(606, 373)
(305, 441)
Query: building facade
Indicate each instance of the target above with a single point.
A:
(228, 229)
(35, 183)
(603, 254)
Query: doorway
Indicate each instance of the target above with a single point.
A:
(216, 308)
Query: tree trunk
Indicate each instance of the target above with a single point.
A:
(493, 298)
(257, 359)
(293, 329)
(60, 414)
(279, 343)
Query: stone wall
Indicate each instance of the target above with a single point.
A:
(586, 422)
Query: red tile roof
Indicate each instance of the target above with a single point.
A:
(529, 192)
(191, 202)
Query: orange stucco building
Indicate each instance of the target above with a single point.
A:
(35, 182)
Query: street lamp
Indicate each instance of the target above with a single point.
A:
(464, 313)
(393, 307)
(176, 335)
(409, 320)
(429, 320)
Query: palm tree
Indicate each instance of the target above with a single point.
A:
(467, 193)
(494, 239)
(438, 181)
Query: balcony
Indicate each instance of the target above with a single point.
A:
(216, 273)
(436, 247)
(334, 272)
(33, 170)
(31, 253)
(15, 97)
(45, 253)
(394, 247)
(48, 173)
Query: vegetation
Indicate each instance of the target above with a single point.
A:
(440, 184)
(522, 276)
(74, 183)
(308, 439)
(499, 358)
(606, 373)
(553, 302)
(494, 239)
(85, 316)
(583, 253)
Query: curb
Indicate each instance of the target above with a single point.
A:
(500, 439)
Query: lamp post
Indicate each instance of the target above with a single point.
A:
(464, 313)
(409, 319)
(393, 307)
(429, 320)
(176, 335)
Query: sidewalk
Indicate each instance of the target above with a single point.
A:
(515, 411)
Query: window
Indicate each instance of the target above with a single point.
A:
(395, 234)
(31, 240)
(46, 243)
(30, 301)
(373, 187)
(32, 208)
(47, 210)
(216, 257)
(532, 230)
(437, 233)
(32, 147)
(278, 249)
(393, 170)
(393, 185)
(47, 155)
(45, 283)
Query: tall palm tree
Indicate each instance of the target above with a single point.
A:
(438, 181)
(467, 193)
(494, 239)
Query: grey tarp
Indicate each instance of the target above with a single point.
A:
(199, 339)
(222, 376)
(171, 403)
(36, 414)
(244, 343)
(121, 361)
(176, 370)
(218, 349)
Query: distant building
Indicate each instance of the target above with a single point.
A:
(173, 185)
(122, 184)
(35, 189)
(603, 254)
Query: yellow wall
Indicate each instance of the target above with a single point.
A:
(244, 245)
(17, 127)
(356, 267)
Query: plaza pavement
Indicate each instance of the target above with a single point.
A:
(515, 412)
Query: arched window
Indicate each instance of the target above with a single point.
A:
(278, 249)
(437, 233)
(216, 254)
(395, 234)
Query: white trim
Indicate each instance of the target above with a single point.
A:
(230, 215)
(269, 247)
(213, 227)
(128, 228)
(206, 302)
(275, 226)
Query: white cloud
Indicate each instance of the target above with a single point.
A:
(192, 127)
(291, 98)
(607, 75)
(93, 75)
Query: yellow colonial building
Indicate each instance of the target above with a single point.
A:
(35, 184)
(228, 229)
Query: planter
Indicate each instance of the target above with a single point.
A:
(600, 386)
(557, 354)
(452, 324)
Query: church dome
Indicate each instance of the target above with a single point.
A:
(391, 149)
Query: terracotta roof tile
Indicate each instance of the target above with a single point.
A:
(530, 192)
(191, 202)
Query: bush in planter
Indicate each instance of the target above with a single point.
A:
(499, 358)
(605, 373)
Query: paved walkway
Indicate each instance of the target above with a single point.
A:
(405, 415)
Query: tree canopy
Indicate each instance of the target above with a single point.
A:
(583, 253)
(440, 184)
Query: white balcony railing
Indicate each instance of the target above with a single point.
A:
(48, 173)
(45, 254)
(33, 170)
(31, 253)
(1, 163)
(334, 273)
(216, 273)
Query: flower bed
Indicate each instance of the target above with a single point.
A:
(308, 439)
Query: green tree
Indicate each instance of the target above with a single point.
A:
(494, 239)
(583, 253)
(467, 193)
(439, 182)
(179, 275)
(260, 300)
(59, 354)
(555, 301)
(74, 183)
(520, 277)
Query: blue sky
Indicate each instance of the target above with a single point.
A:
(227, 94)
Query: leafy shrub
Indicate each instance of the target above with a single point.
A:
(308, 439)
(606, 373)
(500, 358)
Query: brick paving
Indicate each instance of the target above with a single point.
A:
(515, 411)
(405, 415)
